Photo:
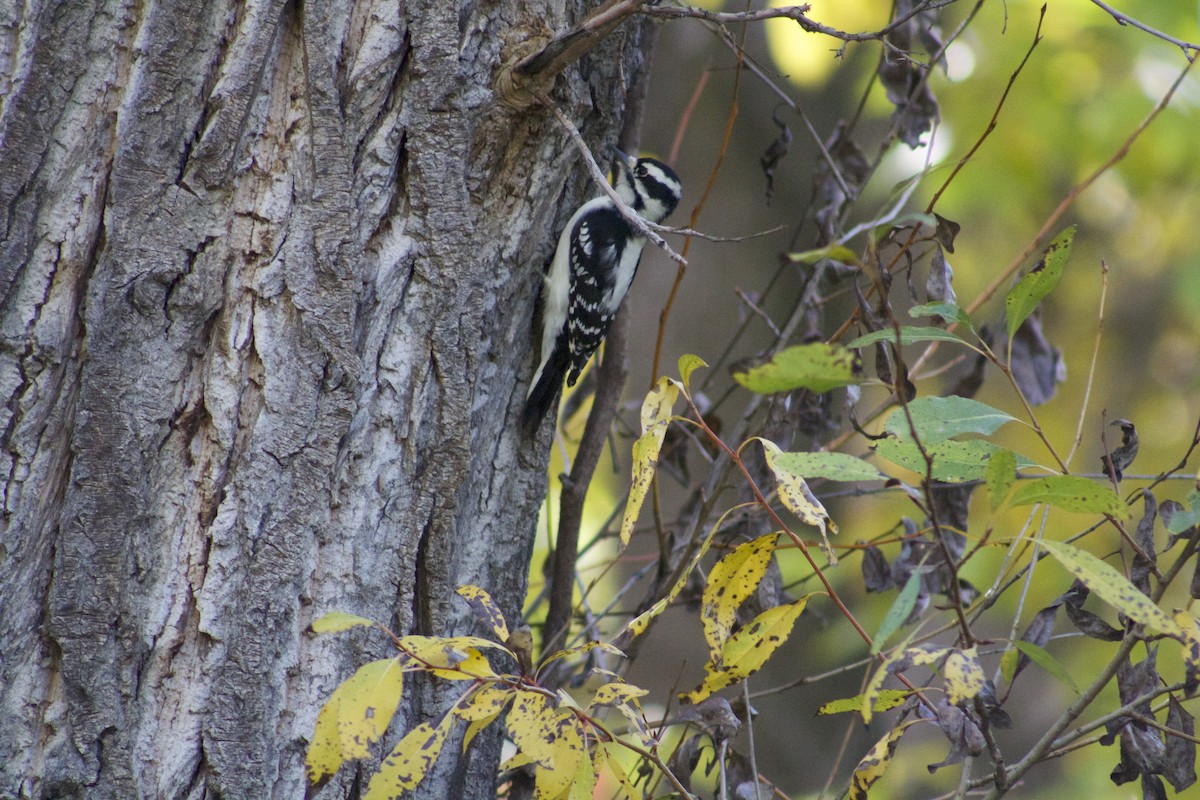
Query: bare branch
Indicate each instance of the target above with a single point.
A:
(1189, 48)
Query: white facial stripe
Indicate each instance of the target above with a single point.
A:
(655, 173)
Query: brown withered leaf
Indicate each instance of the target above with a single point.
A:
(830, 197)
(1038, 632)
(877, 575)
(1115, 463)
(939, 283)
(775, 151)
(988, 706)
(1143, 753)
(1144, 562)
(1037, 365)
(966, 739)
(946, 233)
(1180, 769)
(1088, 623)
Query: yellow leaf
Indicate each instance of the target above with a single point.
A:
(410, 761)
(532, 725)
(456, 658)
(884, 701)
(645, 461)
(730, 582)
(324, 757)
(1112, 587)
(799, 499)
(354, 717)
(486, 702)
(481, 707)
(638, 625)
(963, 675)
(485, 607)
(580, 650)
(366, 704)
(656, 408)
(516, 762)
(898, 662)
(555, 777)
(616, 693)
(688, 364)
(336, 621)
(656, 416)
(748, 649)
(612, 758)
(875, 762)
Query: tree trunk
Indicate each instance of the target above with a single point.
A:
(265, 274)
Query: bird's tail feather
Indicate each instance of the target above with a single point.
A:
(545, 388)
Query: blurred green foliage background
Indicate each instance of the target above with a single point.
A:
(1087, 86)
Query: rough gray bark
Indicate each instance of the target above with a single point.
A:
(264, 273)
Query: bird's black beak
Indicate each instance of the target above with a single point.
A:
(624, 159)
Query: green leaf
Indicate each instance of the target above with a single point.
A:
(909, 334)
(954, 461)
(1181, 520)
(730, 582)
(836, 252)
(896, 615)
(947, 311)
(1071, 493)
(939, 418)
(1112, 587)
(818, 367)
(831, 466)
(885, 700)
(1024, 298)
(688, 364)
(1043, 659)
(1000, 476)
(336, 621)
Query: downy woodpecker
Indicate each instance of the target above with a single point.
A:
(596, 258)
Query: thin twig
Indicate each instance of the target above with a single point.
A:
(1124, 19)
(631, 216)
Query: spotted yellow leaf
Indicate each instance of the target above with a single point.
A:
(747, 650)
(730, 582)
(638, 625)
(798, 498)
(656, 416)
(485, 608)
(409, 762)
(875, 762)
(963, 675)
(481, 707)
(455, 658)
(898, 662)
(1112, 587)
(354, 717)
